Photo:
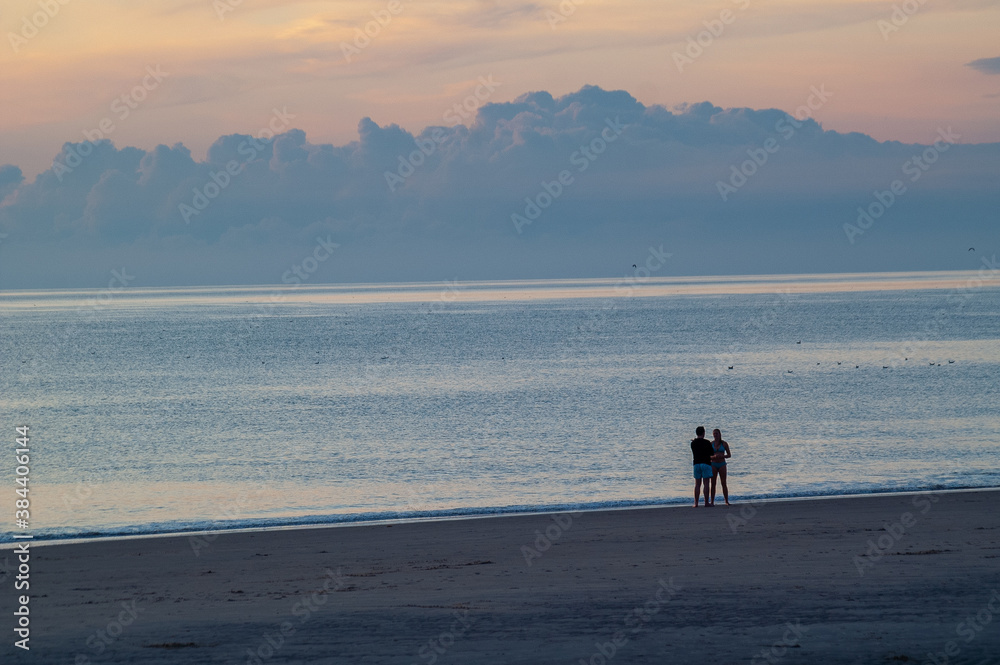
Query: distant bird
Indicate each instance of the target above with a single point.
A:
(730, 367)
(932, 364)
(838, 362)
(885, 367)
(384, 357)
(633, 265)
(799, 342)
(905, 358)
(972, 249)
(951, 362)
(789, 371)
(857, 366)
(817, 363)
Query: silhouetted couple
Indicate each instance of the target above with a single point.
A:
(709, 463)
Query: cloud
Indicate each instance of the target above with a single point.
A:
(10, 178)
(598, 175)
(985, 65)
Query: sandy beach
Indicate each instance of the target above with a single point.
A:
(886, 579)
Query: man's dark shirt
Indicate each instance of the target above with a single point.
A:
(702, 450)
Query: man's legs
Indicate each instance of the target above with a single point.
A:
(697, 490)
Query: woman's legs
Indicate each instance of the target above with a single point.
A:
(725, 488)
(715, 474)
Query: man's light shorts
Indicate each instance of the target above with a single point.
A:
(702, 470)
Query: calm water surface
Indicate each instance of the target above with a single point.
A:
(167, 409)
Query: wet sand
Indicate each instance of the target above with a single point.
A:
(886, 579)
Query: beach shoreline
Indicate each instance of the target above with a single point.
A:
(877, 578)
(459, 514)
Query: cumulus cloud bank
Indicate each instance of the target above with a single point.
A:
(580, 185)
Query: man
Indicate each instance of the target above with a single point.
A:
(702, 450)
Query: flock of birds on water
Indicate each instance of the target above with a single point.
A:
(950, 362)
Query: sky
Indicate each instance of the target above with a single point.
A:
(227, 141)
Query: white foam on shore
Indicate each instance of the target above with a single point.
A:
(195, 529)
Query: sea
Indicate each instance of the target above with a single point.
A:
(162, 410)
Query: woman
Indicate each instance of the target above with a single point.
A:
(719, 456)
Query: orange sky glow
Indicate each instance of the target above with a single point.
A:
(227, 63)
